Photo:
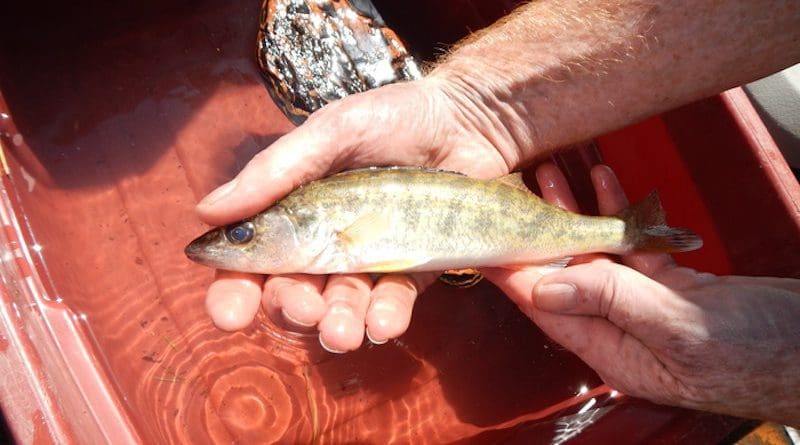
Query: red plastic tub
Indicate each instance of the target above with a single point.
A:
(117, 118)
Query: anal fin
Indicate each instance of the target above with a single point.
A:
(398, 265)
(542, 268)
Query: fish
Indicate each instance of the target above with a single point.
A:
(415, 219)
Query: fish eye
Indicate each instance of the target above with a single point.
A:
(240, 233)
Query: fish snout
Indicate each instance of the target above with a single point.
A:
(198, 250)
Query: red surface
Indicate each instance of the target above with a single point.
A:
(719, 172)
(121, 116)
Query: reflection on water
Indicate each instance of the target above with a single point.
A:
(289, 335)
(568, 427)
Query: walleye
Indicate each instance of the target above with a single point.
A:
(412, 219)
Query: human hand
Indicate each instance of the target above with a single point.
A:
(417, 123)
(671, 334)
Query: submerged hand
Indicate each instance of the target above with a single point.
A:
(414, 123)
(671, 334)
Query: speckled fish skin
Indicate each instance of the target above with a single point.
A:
(418, 219)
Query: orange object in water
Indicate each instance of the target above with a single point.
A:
(117, 118)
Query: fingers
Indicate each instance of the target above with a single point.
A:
(296, 297)
(602, 312)
(343, 306)
(610, 196)
(616, 320)
(604, 289)
(233, 299)
(622, 359)
(555, 188)
(342, 327)
(336, 305)
(392, 302)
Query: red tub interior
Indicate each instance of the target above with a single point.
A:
(117, 118)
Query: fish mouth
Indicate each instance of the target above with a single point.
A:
(193, 251)
(197, 250)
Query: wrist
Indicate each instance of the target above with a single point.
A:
(483, 112)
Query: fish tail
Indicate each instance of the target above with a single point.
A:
(646, 229)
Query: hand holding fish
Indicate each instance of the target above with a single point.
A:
(344, 307)
(539, 80)
(669, 334)
(536, 81)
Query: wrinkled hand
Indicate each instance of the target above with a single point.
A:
(671, 334)
(414, 123)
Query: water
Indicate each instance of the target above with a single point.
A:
(121, 129)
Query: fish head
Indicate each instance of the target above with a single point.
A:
(265, 243)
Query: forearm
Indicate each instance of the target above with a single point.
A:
(754, 340)
(559, 72)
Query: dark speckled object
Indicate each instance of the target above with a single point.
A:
(315, 52)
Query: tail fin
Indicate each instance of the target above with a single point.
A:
(646, 229)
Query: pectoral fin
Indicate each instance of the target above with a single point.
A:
(365, 233)
(365, 230)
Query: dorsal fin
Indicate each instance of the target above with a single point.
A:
(513, 179)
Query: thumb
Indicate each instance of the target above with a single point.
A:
(361, 130)
(614, 318)
(623, 296)
(304, 154)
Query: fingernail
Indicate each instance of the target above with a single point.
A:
(218, 194)
(295, 321)
(602, 173)
(556, 297)
(328, 348)
(376, 342)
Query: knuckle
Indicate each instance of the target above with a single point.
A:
(608, 292)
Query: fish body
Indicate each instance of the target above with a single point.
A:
(419, 219)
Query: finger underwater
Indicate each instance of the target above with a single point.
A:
(297, 297)
(232, 300)
(391, 304)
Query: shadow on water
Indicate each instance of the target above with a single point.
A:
(474, 348)
(115, 85)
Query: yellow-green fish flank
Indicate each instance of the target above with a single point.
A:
(420, 219)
